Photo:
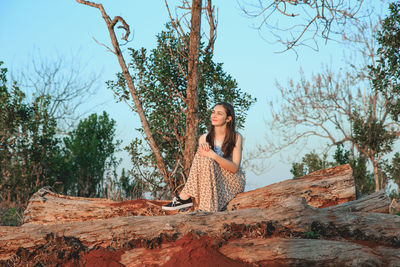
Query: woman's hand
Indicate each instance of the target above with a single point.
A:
(204, 146)
(206, 151)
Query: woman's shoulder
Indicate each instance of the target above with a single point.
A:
(239, 136)
(239, 139)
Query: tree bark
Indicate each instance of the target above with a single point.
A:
(286, 232)
(376, 174)
(191, 90)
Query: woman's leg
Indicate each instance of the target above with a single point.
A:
(228, 186)
(211, 186)
(201, 183)
(184, 196)
(192, 186)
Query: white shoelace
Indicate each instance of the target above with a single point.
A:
(174, 200)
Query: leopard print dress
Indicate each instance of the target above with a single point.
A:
(212, 186)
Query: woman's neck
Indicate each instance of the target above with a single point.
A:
(219, 133)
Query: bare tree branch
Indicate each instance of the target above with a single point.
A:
(64, 80)
(325, 105)
(319, 17)
(149, 137)
(212, 21)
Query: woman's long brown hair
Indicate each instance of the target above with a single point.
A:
(230, 135)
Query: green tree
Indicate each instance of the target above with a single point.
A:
(90, 152)
(373, 140)
(386, 73)
(392, 169)
(29, 149)
(161, 85)
(363, 178)
(311, 162)
(132, 188)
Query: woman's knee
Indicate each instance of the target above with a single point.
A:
(204, 158)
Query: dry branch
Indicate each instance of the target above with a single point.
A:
(318, 17)
(129, 81)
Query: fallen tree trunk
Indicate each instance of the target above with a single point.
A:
(136, 235)
(320, 189)
(310, 252)
(284, 229)
(46, 207)
(323, 188)
(376, 202)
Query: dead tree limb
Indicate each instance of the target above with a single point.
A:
(138, 105)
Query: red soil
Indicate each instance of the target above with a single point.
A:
(196, 251)
(102, 257)
(98, 257)
(199, 251)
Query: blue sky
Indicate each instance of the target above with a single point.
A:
(64, 27)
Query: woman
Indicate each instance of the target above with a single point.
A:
(215, 177)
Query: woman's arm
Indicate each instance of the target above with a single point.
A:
(232, 166)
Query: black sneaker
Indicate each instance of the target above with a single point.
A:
(177, 203)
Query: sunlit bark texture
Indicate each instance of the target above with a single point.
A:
(192, 82)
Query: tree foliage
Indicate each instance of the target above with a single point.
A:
(131, 188)
(310, 162)
(392, 169)
(161, 84)
(386, 74)
(90, 152)
(33, 156)
(29, 149)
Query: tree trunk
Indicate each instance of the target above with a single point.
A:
(321, 189)
(289, 232)
(191, 90)
(278, 251)
(376, 175)
(46, 207)
(283, 230)
(376, 202)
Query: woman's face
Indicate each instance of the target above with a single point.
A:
(219, 116)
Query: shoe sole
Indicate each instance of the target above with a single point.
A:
(178, 207)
